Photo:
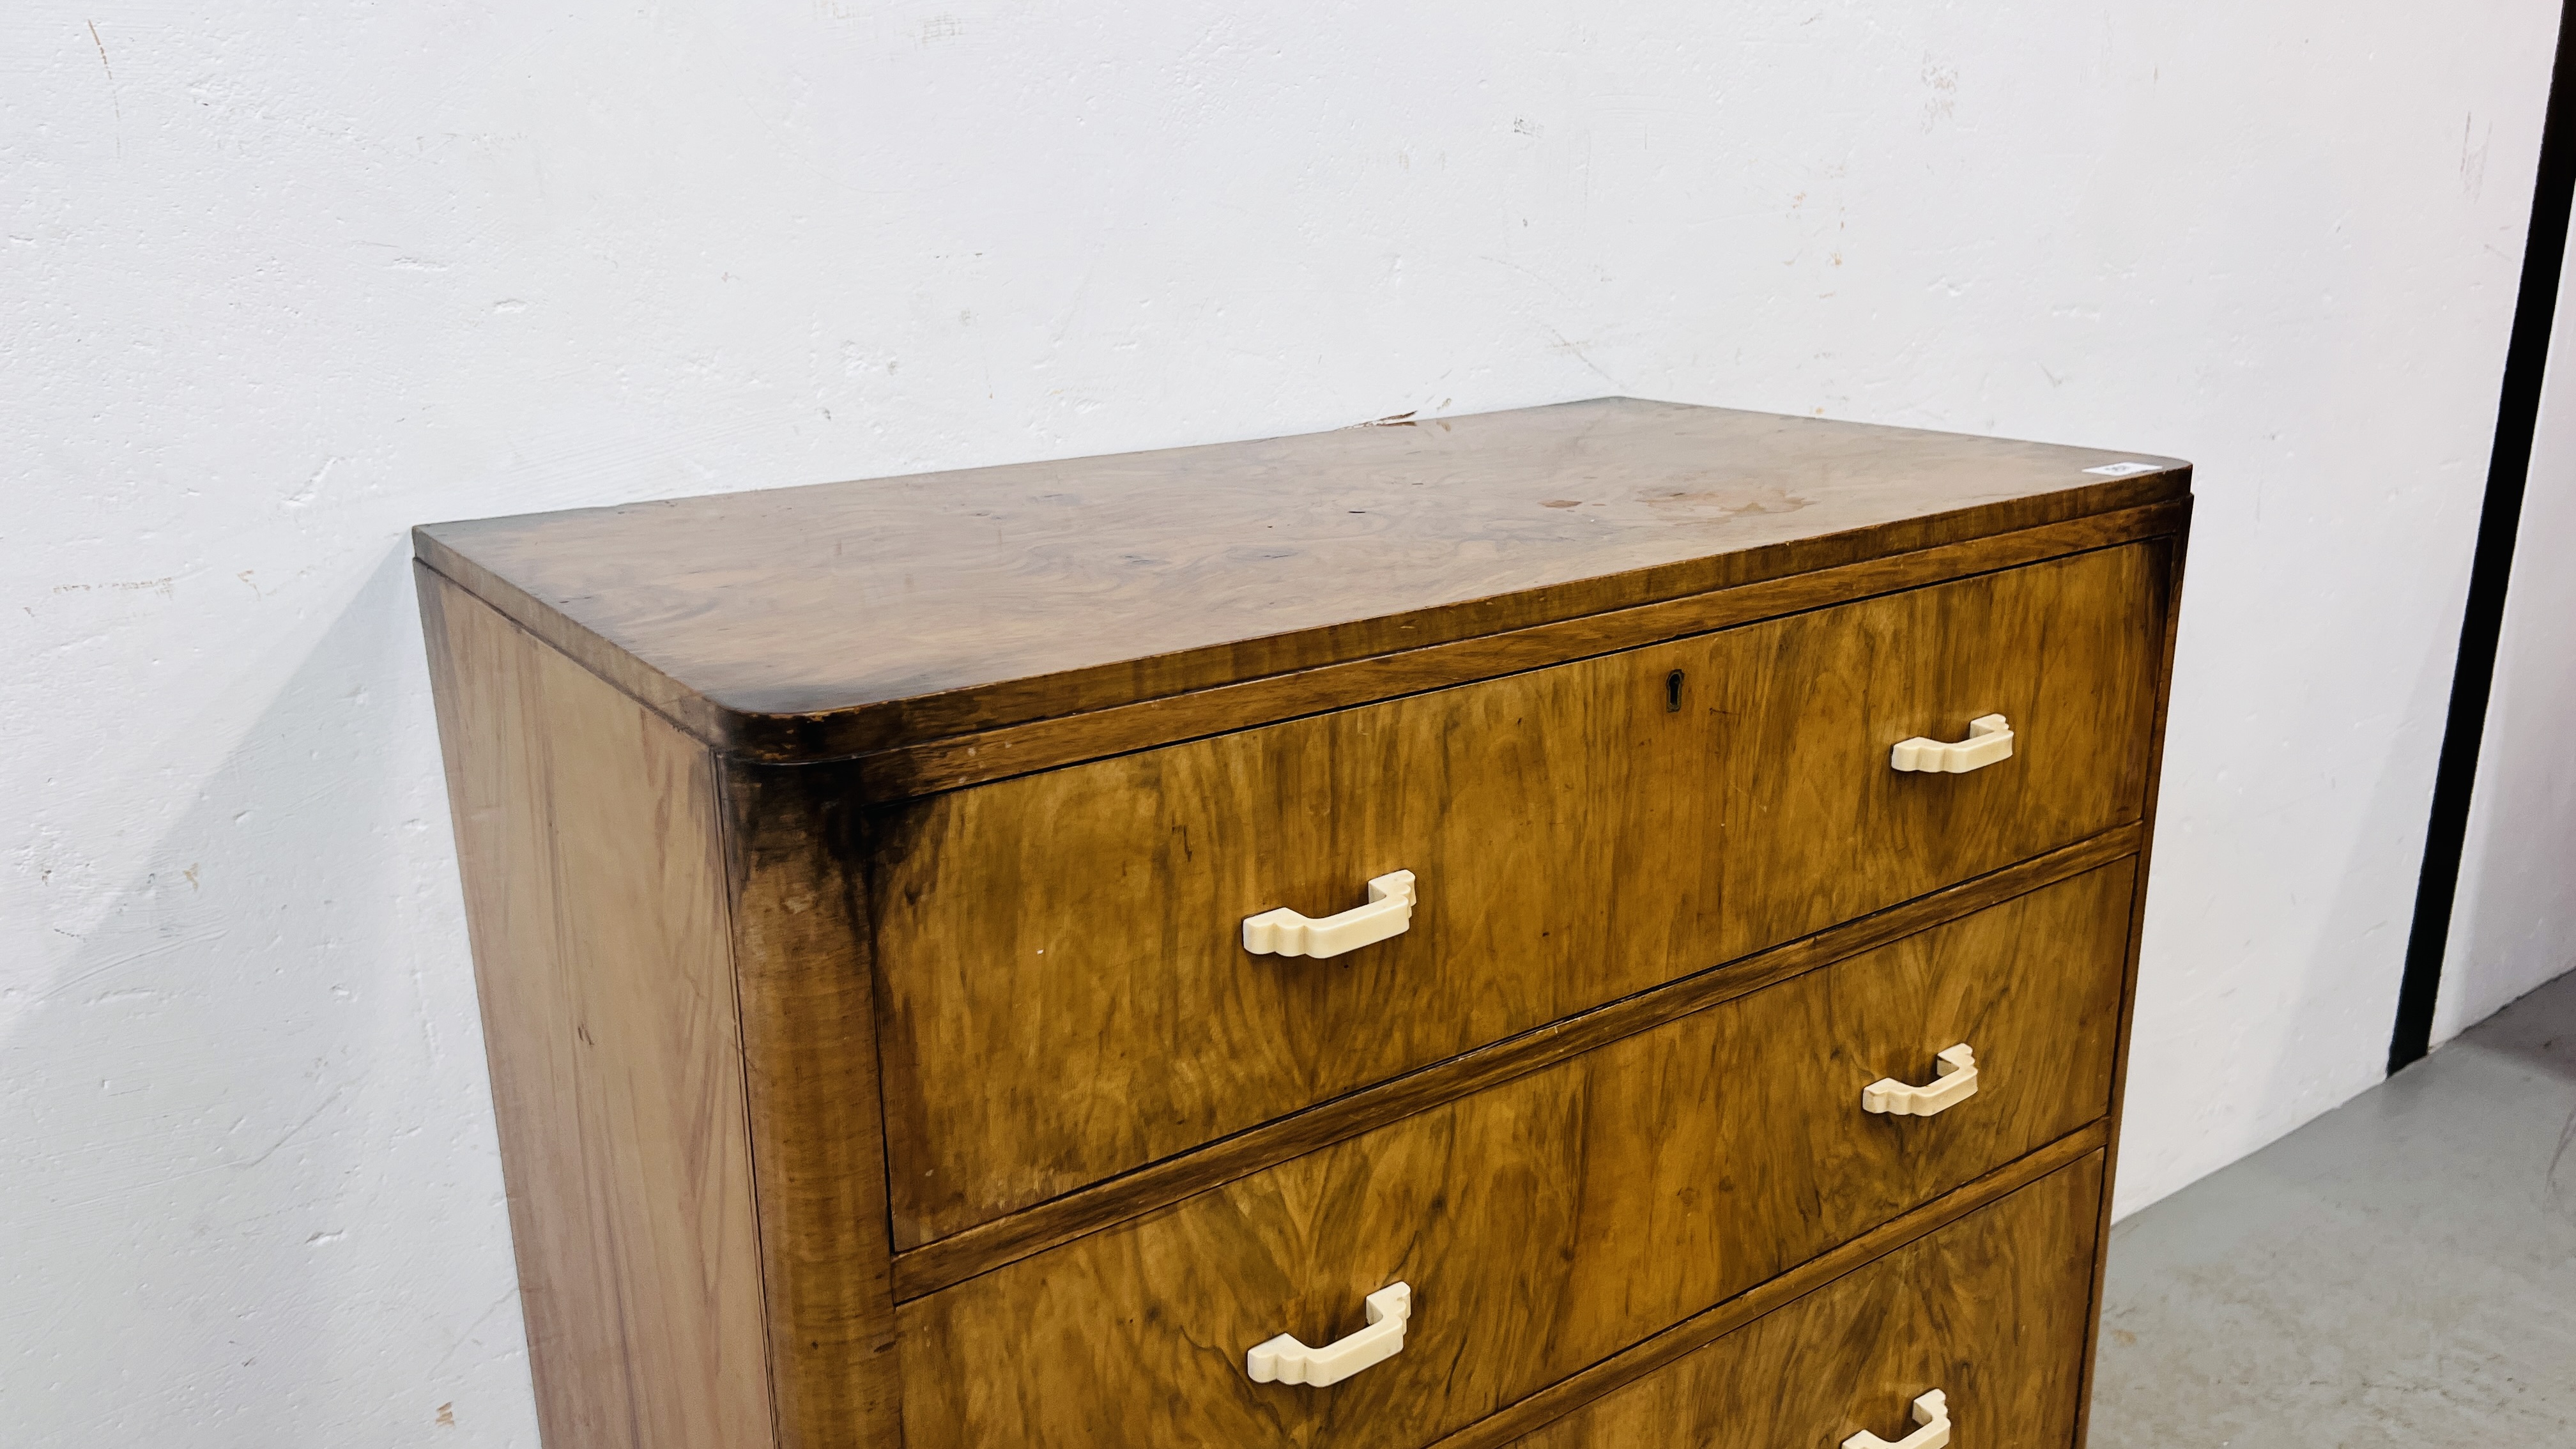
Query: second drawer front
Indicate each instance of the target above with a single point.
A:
(1989, 1311)
(1551, 1221)
(1066, 995)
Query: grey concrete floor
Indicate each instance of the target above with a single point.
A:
(2401, 1271)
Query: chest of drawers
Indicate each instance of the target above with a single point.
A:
(1599, 925)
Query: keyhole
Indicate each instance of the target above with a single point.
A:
(1673, 692)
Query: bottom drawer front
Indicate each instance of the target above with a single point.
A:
(1544, 1224)
(1989, 1312)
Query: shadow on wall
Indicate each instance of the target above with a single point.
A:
(2271, 1019)
(254, 1100)
(2400, 795)
(2514, 923)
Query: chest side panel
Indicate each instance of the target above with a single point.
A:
(588, 833)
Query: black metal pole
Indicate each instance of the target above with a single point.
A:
(2526, 359)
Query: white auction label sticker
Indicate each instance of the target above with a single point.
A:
(2123, 470)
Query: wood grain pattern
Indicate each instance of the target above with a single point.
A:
(807, 623)
(986, 1246)
(995, 754)
(2129, 976)
(1990, 1310)
(1689, 1336)
(587, 831)
(1547, 1223)
(1575, 837)
(2066, 650)
(811, 1073)
(854, 899)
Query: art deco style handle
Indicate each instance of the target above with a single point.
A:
(1955, 1082)
(1932, 1411)
(1283, 1360)
(1989, 739)
(1283, 932)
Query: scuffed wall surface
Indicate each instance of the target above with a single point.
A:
(2515, 921)
(282, 279)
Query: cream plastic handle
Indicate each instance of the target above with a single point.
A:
(1283, 1360)
(1932, 1411)
(1283, 932)
(1989, 739)
(1955, 1082)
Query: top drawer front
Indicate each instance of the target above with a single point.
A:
(1066, 995)
(1819, 828)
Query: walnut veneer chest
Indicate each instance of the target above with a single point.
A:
(1603, 925)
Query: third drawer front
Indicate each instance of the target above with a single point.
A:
(1990, 1313)
(1066, 991)
(1548, 1222)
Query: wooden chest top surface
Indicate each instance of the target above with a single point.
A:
(847, 617)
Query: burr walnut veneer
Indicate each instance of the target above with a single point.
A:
(1744, 820)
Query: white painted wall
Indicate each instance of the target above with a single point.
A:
(282, 278)
(2514, 925)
